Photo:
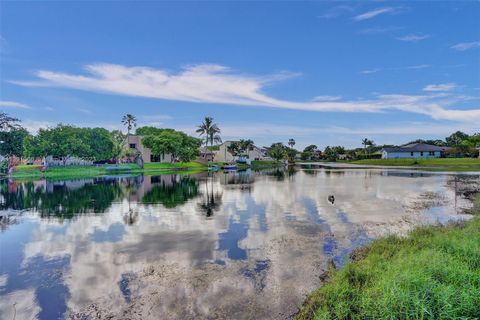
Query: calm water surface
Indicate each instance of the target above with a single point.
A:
(209, 245)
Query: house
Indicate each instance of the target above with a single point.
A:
(223, 155)
(134, 142)
(414, 150)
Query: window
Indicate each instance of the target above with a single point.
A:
(431, 153)
(154, 158)
(421, 154)
(411, 154)
(133, 146)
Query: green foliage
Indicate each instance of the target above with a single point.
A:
(331, 153)
(310, 153)
(99, 142)
(455, 139)
(118, 140)
(7, 122)
(66, 141)
(172, 195)
(12, 141)
(291, 154)
(277, 151)
(434, 273)
(3, 166)
(169, 141)
(129, 121)
(210, 131)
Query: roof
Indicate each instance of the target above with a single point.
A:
(416, 147)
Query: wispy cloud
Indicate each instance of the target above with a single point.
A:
(336, 12)
(84, 110)
(413, 67)
(413, 37)
(14, 104)
(154, 120)
(466, 45)
(440, 87)
(380, 30)
(419, 66)
(370, 71)
(220, 85)
(327, 98)
(373, 13)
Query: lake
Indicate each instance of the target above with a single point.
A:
(237, 245)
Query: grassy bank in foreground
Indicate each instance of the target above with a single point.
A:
(446, 163)
(433, 273)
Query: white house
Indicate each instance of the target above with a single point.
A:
(413, 151)
(223, 155)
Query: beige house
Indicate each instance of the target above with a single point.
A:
(223, 155)
(135, 143)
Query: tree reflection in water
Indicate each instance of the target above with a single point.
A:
(63, 199)
(212, 200)
(171, 190)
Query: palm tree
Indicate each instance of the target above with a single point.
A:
(366, 142)
(130, 121)
(210, 130)
(291, 142)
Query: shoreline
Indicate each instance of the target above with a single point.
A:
(76, 172)
(368, 284)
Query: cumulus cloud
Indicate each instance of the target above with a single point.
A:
(440, 87)
(14, 104)
(218, 84)
(413, 37)
(373, 13)
(466, 45)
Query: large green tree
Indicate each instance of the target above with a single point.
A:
(277, 151)
(11, 141)
(456, 139)
(176, 143)
(65, 141)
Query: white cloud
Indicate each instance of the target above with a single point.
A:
(369, 71)
(373, 13)
(220, 85)
(327, 98)
(413, 37)
(83, 110)
(466, 45)
(419, 66)
(14, 104)
(440, 87)
(336, 12)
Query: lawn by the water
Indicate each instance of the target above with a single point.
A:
(34, 171)
(447, 163)
(433, 273)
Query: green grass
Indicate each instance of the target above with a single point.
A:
(176, 165)
(447, 163)
(27, 171)
(34, 172)
(433, 273)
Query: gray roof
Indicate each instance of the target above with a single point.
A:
(416, 147)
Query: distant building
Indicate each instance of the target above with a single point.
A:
(413, 151)
(223, 155)
(135, 144)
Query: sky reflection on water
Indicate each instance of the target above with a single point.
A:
(67, 244)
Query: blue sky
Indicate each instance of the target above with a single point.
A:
(327, 73)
